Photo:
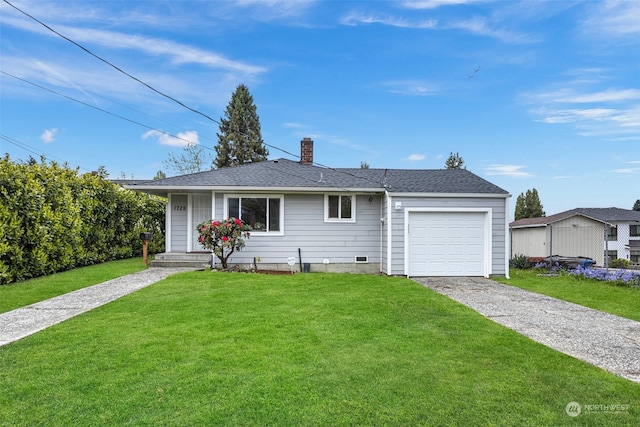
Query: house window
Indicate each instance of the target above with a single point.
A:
(611, 255)
(264, 214)
(612, 233)
(339, 208)
(634, 230)
(635, 256)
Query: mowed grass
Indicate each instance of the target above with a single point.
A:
(610, 298)
(24, 293)
(205, 348)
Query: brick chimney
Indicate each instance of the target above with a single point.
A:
(306, 151)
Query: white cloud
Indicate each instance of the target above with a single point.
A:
(48, 135)
(291, 125)
(613, 18)
(627, 170)
(181, 140)
(478, 26)
(434, 4)
(509, 170)
(481, 27)
(392, 21)
(411, 87)
(610, 113)
(573, 97)
(416, 157)
(270, 9)
(178, 53)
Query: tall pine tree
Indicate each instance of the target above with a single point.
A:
(240, 139)
(528, 205)
(454, 161)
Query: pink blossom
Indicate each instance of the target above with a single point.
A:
(215, 223)
(225, 238)
(238, 222)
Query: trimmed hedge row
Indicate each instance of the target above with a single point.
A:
(53, 219)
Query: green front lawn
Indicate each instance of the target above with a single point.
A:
(610, 298)
(205, 348)
(21, 294)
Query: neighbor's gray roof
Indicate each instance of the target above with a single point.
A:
(605, 215)
(285, 174)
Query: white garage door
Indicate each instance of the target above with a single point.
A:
(446, 244)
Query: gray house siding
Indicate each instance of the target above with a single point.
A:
(318, 241)
(373, 242)
(498, 229)
(386, 226)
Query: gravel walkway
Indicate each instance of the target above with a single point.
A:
(25, 321)
(604, 340)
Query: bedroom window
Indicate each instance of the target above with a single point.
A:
(264, 214)
(339, 208)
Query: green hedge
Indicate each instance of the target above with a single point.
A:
(53, 219)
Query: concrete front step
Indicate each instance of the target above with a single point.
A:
(169, 259)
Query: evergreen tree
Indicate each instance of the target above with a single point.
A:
(364, 165)
(528, 205)
(159, 175)
(240, 139)
(454, 161)
(636, 205)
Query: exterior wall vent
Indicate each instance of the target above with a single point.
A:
(362, 259)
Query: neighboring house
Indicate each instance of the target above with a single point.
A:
(396, 222)
(590, 232)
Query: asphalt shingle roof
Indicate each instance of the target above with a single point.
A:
(608, 215)
(287, 174)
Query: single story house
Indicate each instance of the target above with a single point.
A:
(390, 221)
(591, 232)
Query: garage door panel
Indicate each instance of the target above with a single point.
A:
(456, 233)
(474, 250)
(456, 250)
(446, 243)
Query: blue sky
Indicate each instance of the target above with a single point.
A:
(531, 94)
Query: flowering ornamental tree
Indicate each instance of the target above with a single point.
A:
(223, 237)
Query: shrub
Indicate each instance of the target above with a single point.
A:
(223, 237)
(520, 261)
(52, 219)
(620, 263)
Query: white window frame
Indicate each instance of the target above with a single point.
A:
(353, 207)
(258, 233)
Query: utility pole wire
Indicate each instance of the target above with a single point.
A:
(160, 92)
(112, 65)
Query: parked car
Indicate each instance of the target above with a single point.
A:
(570, 262)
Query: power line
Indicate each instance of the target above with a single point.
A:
(105, 61)
(96, 108)
(110, 64)
(91, 93)
(31, 150)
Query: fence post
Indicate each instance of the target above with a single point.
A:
(606, 248)
(550, 248)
